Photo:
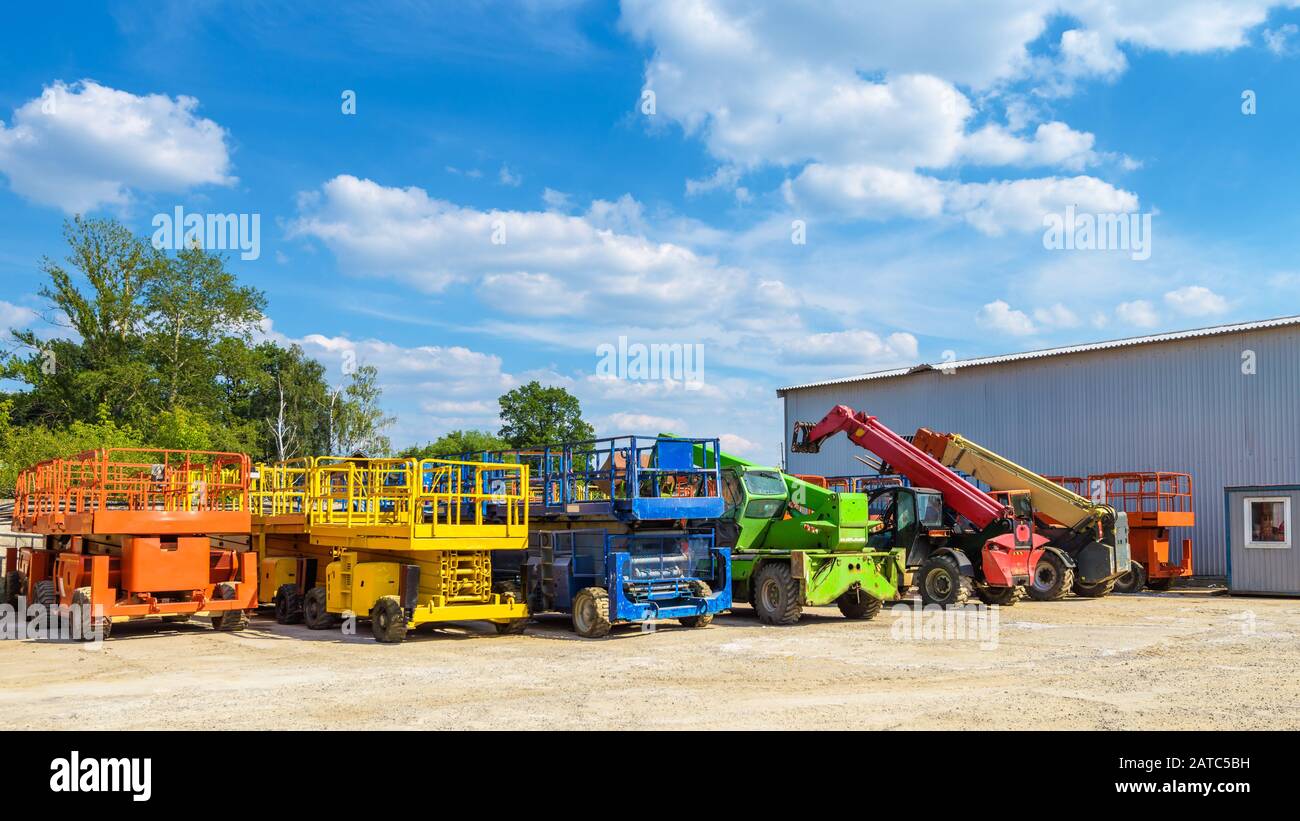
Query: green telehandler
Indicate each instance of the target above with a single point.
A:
(795, 545)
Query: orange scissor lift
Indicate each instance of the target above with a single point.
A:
(132, 533)
(1156, 502)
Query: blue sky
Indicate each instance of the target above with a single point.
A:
(920, 147)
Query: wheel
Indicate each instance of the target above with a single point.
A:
(228, 620)
(942, 583)
(775, 595)
(703, 591)
(314, 614)
(1001, 596)
(513, 627)
(591, 613)
(1133, 581)
(387, 620)
(15, 586)
(1163, 583)
(288, 604)
(46, 593)
(855, 604)
(91, 628)
(1093, 591)
(1053, 578)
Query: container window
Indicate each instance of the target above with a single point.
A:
(1268, 521)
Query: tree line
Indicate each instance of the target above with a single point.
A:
(162, 350)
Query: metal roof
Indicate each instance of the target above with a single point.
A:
(1214, 330)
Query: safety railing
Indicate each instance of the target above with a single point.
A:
(624, 474)
(1147, 492)
(132, 479)
(280, 488)
(425, 498)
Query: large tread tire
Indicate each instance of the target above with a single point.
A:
(228, 621)
(702, 590)
(1133, 581)
(1161, 584)
(775, 595)
(388, 620)
(46, 593)
(1053, 578)
(86, 615)
(1001, 596)
(288, 605)
(513, 627)
(314, 614)
(941, 582)
(859, 605)
(1093, 591)
(591, 613)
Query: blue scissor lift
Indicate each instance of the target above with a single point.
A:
(612, 537)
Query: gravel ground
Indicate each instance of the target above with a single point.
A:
(1180, 660)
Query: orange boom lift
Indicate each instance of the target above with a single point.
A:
(132, 533)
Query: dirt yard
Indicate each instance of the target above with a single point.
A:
(1156, 661)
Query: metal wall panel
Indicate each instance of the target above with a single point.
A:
(1182, 405)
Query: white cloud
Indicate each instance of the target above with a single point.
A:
(1138, 313)
(556, 200)
(15, 317)
(852, 351)
(549, 264)
(1001, 317)
(866, 191)
(1278, 40)
(1196, 300)
(506, 177)
(874, 103)
(738, 445)
(82, 146)
(625, 423)
(995, 207)
(1056, 316)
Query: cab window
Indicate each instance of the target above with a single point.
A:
(764, 484)
(930, 509)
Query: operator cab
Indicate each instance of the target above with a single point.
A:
(907, 514)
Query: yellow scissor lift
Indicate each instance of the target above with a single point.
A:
(404, 542)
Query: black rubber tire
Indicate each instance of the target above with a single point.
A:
(940, 581)
(46, 593)
(702, 590)
(388, 620)
(89, 624)
(591, 613)
(859, 605)
(15, 586)
(775, 594)
(1093, 591)
(1133, 581)
(288, 604)
(513, 627)
(314, 614)
(228, 621)
(1053, 578)
(1001, 596)
(1161, 584)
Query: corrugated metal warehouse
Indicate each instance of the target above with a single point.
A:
(1221, 403)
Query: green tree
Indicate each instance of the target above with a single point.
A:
(24, 446)
(357, 422)
(193, 304)
(533, 415)
(455, 443)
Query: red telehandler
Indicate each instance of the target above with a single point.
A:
(957, 536)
